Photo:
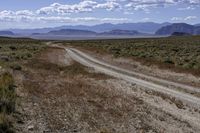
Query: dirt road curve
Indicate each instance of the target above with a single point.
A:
(117, 72)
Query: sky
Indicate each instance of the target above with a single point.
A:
(52, 13)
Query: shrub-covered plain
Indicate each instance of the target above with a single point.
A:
(14, 50)
(179, 52)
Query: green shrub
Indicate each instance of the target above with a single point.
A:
(16, 67)
(7, 93)
(5, 124)
(7, 102)
(12, 47)
(168, 60)
(187, 66)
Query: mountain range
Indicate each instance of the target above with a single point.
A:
(121, 32)
(70, 32)
(145, 27)
(109, 30)
(77, 32)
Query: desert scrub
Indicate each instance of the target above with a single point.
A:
(17, 50)
(179, 52)
(7, 102)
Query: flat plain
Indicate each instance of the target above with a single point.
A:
(68, 86)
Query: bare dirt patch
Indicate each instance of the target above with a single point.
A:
(56, 56)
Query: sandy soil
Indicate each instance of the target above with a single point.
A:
(56, 100)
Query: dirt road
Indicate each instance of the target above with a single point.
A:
(119, 73)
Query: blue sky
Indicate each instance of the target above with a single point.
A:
(50, 13)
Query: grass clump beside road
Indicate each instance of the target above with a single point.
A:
(7, 102)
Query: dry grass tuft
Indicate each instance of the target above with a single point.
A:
(7, 102)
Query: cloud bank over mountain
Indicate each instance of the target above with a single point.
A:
(105, 11)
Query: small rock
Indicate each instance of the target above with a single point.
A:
(4, 58)
(30, 128)
(46, 131)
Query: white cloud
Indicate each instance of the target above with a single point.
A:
(110, 5)
(186, 8)
(28, 16)
(83, 6)
(145, 19)
(190, 18)
(18, 16)
(60, 13)
(25, 13)
(6, 13)
(176, 19)
(148, 4)
(184, 18)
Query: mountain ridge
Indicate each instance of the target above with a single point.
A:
(71, 32)
(6, 32)
(179, 27)
(146, 27)
(76, 32)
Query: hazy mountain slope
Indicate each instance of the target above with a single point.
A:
(147, 27)
(6, 33)
(121, 32)
(197, 30)
(197, 24)
(180, 34)
(177, 27)
(71, 32)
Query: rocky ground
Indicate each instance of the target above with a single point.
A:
(60, 95)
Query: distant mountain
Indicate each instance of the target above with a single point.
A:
(180, 34)
(6, 33)
(31, 31)
(197, 30)
(120, 32)
(178, 27)
(197, 24)
(77, 32)
(145, 27)
(71, 32)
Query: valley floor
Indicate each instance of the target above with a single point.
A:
(58, 94)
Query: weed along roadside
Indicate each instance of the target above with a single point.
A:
(7, 102)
